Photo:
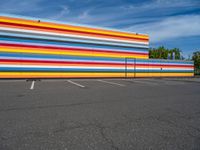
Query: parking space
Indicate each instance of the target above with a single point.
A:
(139, 113)
(83, 83)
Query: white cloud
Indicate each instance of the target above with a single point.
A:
(87, 17)
(168, 28)
(123, 15)
(162, 4)
(63, 13)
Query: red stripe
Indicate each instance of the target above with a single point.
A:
(69, 48)
(63, 62)
(90, 63)
(167, 65)
(51, 28)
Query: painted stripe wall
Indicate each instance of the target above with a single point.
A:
(31, 48)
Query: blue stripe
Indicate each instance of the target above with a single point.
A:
(71, 39)
(73, 44)
(87, 70)
(56, 69)
(163, 61)
(82, 58)
(66, 57)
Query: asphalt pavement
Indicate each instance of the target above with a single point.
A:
(100, 114)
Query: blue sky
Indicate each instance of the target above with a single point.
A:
(172, 23)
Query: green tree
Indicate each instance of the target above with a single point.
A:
(162, 53)
(177, 52)
(196, 59)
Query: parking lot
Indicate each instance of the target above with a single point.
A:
(100, 114)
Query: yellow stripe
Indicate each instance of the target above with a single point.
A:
(57, 74)
(160, 74)
(82, 75)
(71, 27)
(72, 53)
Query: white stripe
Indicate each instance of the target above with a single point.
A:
(164, 63)
(65, 67)
(52, 59)
(70, 35)
(111, 82)
(75, 83)
(144, 51)
(32, 85)
(86, 67)
(77, 40)
(76, 60)
(147, 68)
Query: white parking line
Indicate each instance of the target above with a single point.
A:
(111, 82)
(32, 85)
(77, 84)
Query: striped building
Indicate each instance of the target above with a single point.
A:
(31, 48)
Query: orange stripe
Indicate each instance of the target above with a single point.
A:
(77, 50)
(70, 52)
(71, 27)
(88, 75)
(81, 34)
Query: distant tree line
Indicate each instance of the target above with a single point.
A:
(164, 53)
(196, 59)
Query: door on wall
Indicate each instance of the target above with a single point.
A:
(130, 67)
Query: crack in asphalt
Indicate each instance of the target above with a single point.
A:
(95, 124)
